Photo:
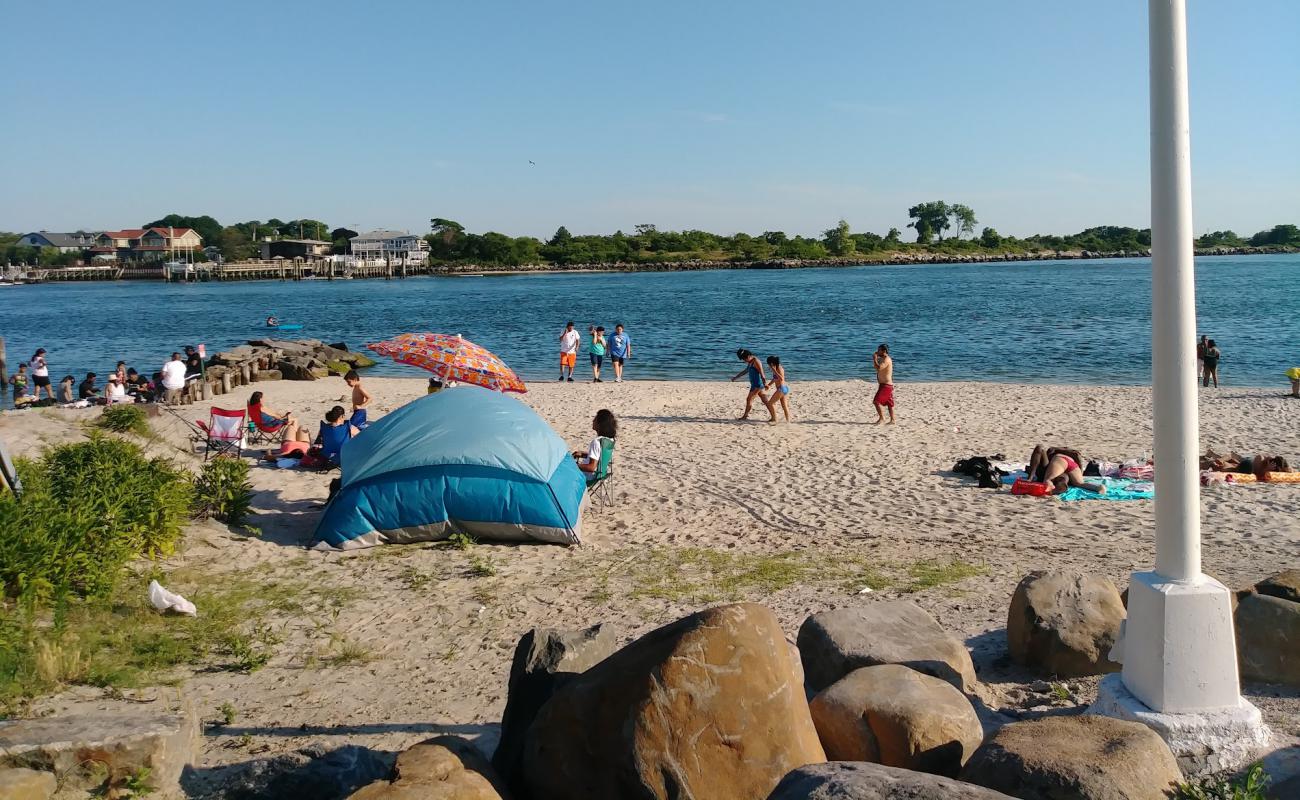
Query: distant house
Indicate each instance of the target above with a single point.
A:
(147, 244)
(310, 249)
(65, 242)
(390, 247)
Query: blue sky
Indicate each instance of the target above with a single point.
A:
(717, 115)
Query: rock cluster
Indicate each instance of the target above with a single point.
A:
(1268, 630)
(294, 360)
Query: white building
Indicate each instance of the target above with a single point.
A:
(389, 247)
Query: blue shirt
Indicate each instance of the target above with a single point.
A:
(618, 344)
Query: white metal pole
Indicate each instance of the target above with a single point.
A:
(1173, 301)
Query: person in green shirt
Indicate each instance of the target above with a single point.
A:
(596, 347)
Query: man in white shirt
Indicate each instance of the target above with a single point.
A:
(568, 350)
(173, 379)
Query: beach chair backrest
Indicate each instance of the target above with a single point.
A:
(225, 425)
(606, 459)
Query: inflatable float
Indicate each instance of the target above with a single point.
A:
(287, 326)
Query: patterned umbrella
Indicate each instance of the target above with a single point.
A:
(451, 358)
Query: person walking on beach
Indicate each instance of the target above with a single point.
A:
(568, 351)
(781, 389)
(754, 369)
(597, 352)
(1200, 358)
(1212, 356)
(40, 375)
(885, 378)
(620, 350)
(360, 401)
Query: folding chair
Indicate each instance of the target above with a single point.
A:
(601, 484)
(260, 433)
(224, 432)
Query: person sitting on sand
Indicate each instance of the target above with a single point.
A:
(1259, 465)
(360, 400)
(86, 390)
(782, 389)
(115, 390)
(120, 372)
(605, 424)
(267, 418)
(1059, 467)
(65, 389)
(754, 369)
(138, 386)
(334, 431)
(19, 380)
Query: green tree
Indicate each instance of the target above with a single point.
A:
(1278, 235)
(895, 236)
(929, 220)
(342, 241)
(1220, 239)
(838, 240)
(989, 238)
(963, 219)
(205, 226)
(561, 237)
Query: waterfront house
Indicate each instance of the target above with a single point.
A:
(390, 247)
(65, 242)
(310, 249)
(147, 244)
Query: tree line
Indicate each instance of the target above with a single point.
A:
(939, 227)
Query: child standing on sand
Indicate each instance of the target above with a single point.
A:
(360, 400)
(885, 379)
(781, 393)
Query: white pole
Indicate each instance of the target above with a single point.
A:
(1173, 301)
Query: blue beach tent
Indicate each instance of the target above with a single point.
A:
(464, 460)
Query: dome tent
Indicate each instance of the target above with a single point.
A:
(465, 459)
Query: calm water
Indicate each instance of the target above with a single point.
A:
(1057, 322)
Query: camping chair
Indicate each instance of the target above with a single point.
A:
(260, 433)
(223, 433)
(601, 483)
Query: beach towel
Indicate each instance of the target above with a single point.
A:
(1116, 489)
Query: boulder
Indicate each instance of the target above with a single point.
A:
(844, 780)
(1285, 585)
(706, 707)
(339, 346)
(443, 768)
(235, 355)
(545, 659)
(359, 360)
(17, 783)
(296, 369)
(91, 752)
(1268, 639)
(894, 715)
(268, 375)
(327, 354)
(337, 367)
(834, 643)
(1087, 757)
(1065, 623)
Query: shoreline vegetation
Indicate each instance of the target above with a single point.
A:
(452, 249)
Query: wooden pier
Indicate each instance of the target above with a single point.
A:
(279, 269)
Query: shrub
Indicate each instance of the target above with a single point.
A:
(1249, 786)
(87, 509)
(222, 491)
(124, 419)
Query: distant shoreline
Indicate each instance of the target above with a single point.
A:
(890, 258)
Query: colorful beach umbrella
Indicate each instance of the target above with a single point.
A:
(451, 357)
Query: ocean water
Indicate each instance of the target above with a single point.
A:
(1046, 322)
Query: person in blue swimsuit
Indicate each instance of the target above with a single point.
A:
(782, 389)
(757, 378)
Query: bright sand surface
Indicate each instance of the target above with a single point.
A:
(701, 504)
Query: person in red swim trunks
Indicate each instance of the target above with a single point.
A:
(884, 398)
(1059, 467)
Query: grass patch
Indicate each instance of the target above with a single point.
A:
(344, 652)
(1250, 786)
(481, 566)
(929, 574)
(125, 419)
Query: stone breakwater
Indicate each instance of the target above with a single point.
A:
(279, 359)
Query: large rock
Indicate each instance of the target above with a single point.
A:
(1086, 757)
(1065, 623)
(545, 659)
(834, 643)
(709, 706)
(26, 784)
(894, 715)
(444, 768)
(1268, 639)
(1285, 585)
(844, 780)
(91, 752)
(296, 369)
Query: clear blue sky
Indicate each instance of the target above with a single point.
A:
(718, 115)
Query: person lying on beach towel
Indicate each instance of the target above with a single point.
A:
(1060, 467)
(1258, 465)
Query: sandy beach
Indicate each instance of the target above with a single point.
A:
(801, 517)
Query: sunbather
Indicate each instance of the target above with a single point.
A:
(1060, 468)
(1259, 465)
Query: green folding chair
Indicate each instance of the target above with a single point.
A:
(601, 483)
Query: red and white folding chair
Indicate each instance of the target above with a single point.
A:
(224, 432)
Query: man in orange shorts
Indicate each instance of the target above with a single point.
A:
(885, 377)
(568, 350)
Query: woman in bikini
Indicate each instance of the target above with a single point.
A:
(782, 389)
(754, 369)
(1060, 467)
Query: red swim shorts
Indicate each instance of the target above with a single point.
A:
(884, 396)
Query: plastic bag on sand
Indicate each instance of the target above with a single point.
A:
(165, 601)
